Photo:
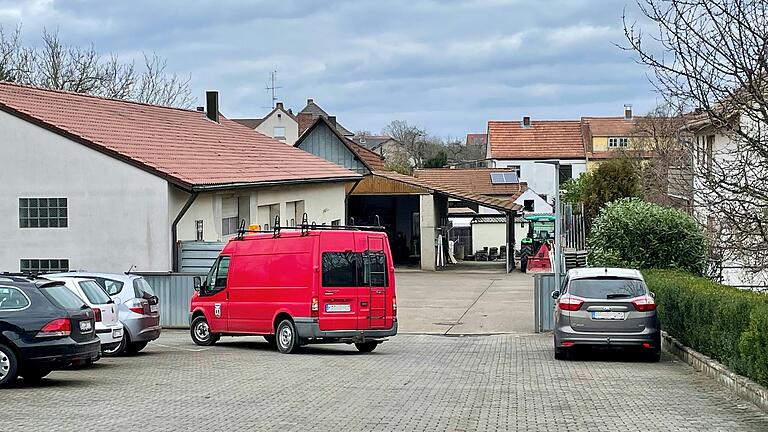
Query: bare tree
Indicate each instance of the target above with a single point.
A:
(662, 151)
(714, 61)
(58, 66)
(414, 141)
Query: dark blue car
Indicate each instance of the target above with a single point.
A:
(43, 326)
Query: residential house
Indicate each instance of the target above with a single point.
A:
(521, 146)
(310, 113)
(382, 144)
(609, 137)
(105, 184)
(279, 124)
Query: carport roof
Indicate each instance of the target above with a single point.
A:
(504, 205)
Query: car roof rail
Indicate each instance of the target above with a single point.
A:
(307, 227)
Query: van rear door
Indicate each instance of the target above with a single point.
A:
(374, 285)
(338, 286)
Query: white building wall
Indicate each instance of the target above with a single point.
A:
(323, 203)
(488, 235)
(116, 212)
(267, 127)
(542, 177)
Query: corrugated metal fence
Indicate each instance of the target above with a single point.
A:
(174, 291)
(197, 257)
(543, 303)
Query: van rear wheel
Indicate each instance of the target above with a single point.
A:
(287, 339)
(201, 332)
(366, 347)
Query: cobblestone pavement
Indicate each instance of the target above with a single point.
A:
(411, 383)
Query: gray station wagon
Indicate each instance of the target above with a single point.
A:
(607, 307)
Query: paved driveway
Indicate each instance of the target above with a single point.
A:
(411, 383)
(465, 302)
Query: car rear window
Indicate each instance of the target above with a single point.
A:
(94, 292)
(607, 287)
(141, 286)
(62, 297)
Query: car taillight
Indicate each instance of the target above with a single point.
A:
(570, 303)
(394, 306)
(56, 328)
(135, 306)
(644, 303)
(315, 306)
(97, 314)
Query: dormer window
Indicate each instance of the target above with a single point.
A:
(618, 142)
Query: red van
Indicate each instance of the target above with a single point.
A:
(297, 287)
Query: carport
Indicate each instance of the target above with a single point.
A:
(415, 215)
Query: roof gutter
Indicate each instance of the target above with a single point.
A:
(246, 185)
(174, 231)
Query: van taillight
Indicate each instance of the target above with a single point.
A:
(394, 306)
(56, 328)
(644, 304)
(97, 314)
(315, 306)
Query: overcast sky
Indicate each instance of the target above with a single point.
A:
(449, 66)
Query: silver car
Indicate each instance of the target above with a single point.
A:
(608, 307)
(138, 308)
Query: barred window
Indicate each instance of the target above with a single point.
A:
(43, 213)
(44, 265)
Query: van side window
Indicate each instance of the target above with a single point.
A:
(217, 277)
(375, 269)
(339, 269)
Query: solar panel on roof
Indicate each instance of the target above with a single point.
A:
(497, 178)
(510, 178)
(504, 178)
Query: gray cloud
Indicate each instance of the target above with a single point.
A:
(447, 65)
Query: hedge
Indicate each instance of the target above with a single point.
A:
(722, 322)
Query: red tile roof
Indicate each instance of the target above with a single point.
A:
(544, 139)
(477, 139)
(612, 126)
(183, 146)
(475, 180)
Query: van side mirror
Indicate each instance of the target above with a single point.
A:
(197, 282)
(555, 294)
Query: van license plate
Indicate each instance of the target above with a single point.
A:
(338, 308)
(85, 327)
(608, 315)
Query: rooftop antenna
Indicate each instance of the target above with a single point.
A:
(272, 86)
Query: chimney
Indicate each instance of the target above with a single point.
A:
(310, 101)
(526, 122)
(201, 109)
(280, 106)
(212, 105)
(627, 112)
(332, 120)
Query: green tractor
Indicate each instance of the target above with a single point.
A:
(541, 229)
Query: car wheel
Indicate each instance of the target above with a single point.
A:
(116, 351)
(366, 347)
(9, 366)
(34, 375)
(287, 339)
(201, 332)
(135, 347)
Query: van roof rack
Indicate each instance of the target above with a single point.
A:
(306, 227)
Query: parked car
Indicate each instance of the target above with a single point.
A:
(609, 307)
(108, 326)
(296, 288)
(138, 307)
(43, 326)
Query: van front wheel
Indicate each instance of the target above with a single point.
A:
(201, 332)
(287, 339)
(366, 347)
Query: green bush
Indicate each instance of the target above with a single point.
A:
(722, 322)
(633, 233)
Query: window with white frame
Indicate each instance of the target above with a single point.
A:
(278, 132)
(229, 217)
(618, 142)
(43, 213)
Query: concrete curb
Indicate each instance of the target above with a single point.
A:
(735, 383)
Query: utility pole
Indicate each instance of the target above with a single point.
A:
(272, 86)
